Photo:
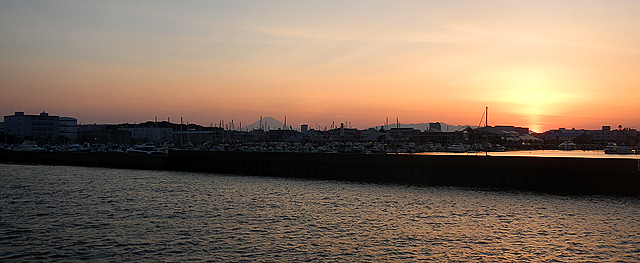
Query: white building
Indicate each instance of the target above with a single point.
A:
(42, 128)
(603, 136)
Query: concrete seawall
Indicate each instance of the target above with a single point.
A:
(543, 174)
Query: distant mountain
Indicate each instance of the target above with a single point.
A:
(268, 123)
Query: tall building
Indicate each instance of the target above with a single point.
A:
(41, 128)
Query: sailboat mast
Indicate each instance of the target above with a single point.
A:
(486, 116)
(486, 123)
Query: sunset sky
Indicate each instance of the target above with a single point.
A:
(537, 64)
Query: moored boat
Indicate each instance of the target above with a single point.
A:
(613, 148)
(28, 146)
(77, 148)
(456, 148)
(146, 148)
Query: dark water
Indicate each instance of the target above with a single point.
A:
(61, 213)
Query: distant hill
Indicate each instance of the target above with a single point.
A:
(268, 123)
(425, 126)
(271, 123)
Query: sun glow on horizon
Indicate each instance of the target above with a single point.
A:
(533, 94)
(543, 64)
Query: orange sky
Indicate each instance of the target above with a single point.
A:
(542, 64)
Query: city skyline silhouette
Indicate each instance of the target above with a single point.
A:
(541, 65)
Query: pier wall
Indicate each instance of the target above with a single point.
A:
(543, 174)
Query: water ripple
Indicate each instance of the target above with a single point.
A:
(62, 214)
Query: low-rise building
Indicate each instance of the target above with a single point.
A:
(281, 135)
(519, 130)
(68, 129)
(404, 134)
(102, 134)
(594, 137)
(150, 134)
(605, 135)
(43, 128)
(562, 135)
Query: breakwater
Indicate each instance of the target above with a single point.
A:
(543, 174)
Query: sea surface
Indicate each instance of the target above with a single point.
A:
(71, 214)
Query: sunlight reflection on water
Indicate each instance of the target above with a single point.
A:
(545, 153)
(61, 213)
